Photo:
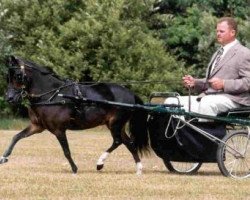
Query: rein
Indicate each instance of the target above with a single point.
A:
(55, 93)
(133, 82)
(56, 90)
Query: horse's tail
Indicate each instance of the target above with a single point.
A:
(138, 128)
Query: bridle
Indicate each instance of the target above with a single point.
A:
(22, 79)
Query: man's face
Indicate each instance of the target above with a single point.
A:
(225, 34)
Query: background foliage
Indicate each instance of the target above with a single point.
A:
(117, 40)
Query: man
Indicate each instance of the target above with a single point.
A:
(227, 81)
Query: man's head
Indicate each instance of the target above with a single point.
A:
(226, 30)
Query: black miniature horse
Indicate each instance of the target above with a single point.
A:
(49, 110)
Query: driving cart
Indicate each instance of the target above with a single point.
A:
(184, 142)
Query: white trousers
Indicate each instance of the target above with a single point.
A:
(208, 105)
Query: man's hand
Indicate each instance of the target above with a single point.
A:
(188, 81)
(217, 83)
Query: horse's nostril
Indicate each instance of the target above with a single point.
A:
(10, 99)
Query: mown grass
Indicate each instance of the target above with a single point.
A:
(37, 169)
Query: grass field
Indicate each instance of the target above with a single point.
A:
(37, 169)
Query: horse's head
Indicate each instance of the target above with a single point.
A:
(17, 80)
(26, 78)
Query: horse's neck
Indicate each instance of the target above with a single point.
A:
(43, 84)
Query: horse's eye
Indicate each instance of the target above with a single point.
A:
(18, 78)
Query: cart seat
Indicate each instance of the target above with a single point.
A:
(243, 111)
(238, 112)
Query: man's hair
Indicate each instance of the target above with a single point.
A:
(230, 21)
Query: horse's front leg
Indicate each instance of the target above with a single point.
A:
(30, 130)
(62, 138)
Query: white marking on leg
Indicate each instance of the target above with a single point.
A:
(3, 159)
(102, 158)
(139, 168)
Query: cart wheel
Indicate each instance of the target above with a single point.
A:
(182, 167)
(233, 157)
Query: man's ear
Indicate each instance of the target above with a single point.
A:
(233, 32)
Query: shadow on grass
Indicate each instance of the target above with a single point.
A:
(131, 172)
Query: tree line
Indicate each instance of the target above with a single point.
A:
(117, 40)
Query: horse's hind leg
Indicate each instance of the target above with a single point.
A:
(30, 130)
(119, 136)
(62, 138)
(100, 163)
(118, 140)
(128, 142)
(115, 130)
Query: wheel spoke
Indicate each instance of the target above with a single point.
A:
(228, 164)
(246, 163)
(231, 169)
(246, 147)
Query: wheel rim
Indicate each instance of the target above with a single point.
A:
(238, 166)
(184, 167)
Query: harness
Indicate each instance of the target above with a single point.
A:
(21, 78)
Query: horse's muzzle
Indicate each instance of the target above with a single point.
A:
(13, 96)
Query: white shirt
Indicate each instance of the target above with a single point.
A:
(227, 47)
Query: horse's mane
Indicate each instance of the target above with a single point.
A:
(43, 69)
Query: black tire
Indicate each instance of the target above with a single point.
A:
(230, 162)
(182, 167)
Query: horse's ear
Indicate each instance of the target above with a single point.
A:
(11, 61)
(13, 58)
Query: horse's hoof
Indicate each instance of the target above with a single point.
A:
(139, 173)
(99, 167)
(3, 160)
(74, 169)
